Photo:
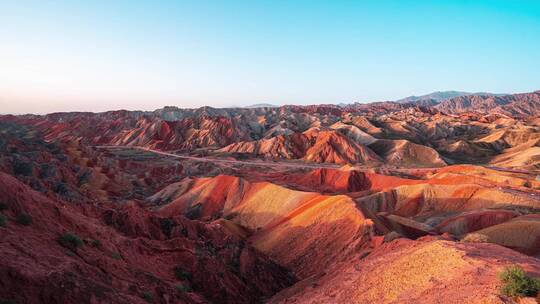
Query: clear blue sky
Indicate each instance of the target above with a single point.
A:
(101, 55)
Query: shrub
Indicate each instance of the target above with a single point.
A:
(22, 168)
(166, 226)
(23, 219)
(95, 243)
(231, 216)
(475, 238)
(194, 212)
(183, 288)
(61, 188)
(116, 256)
(70, 241)
(3, 220)
(148, 297)
(517, 283)
(181, 274)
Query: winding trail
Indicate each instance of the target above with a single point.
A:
(259, 163)
(262, 163)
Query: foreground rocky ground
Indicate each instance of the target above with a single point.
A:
(413, 202)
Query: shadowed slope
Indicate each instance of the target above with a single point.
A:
(521, 233)
(296, 228)
(407, 154)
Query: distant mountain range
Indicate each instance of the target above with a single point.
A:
(427, 100)
(440, 96)
(261, 105)
(524, 104)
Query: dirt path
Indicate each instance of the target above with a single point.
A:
(259, 163)
(275, 164)
(281, 164)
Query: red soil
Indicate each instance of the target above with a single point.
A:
(405, 271)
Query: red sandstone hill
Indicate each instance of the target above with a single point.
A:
(275, 233)
(332, 147)
(406, 154)
(292, 146)
(278, 133)
(126, 255)
(186, 134)
(311, 146)
(345, 180)
(295, 228)
(75, 172)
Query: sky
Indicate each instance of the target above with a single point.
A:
(142, 55)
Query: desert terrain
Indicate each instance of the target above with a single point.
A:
(422, 200)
